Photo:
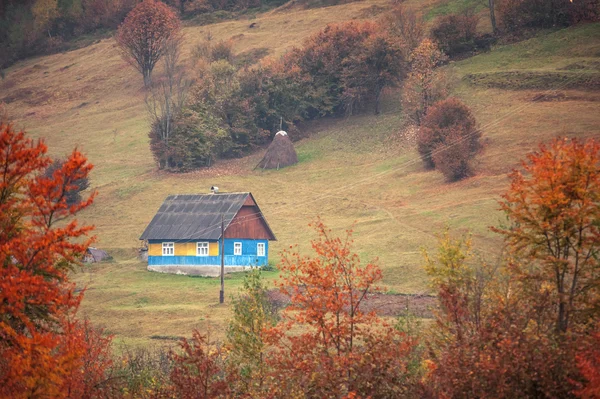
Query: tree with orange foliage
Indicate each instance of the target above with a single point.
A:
(42, 348)
(490, 339)
(327, 345)
(522, 329)
(424, 85)
(144, 35)
(553, 209)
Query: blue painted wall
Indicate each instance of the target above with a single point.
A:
(247, 258)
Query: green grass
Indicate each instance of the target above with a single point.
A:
(361, 171)
(547, 51)
(448, 7)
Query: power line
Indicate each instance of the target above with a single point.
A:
(404, 165)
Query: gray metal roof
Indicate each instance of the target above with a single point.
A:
(194, 216)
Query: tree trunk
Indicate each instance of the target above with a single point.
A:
(147, 77)
(493, 16)
(378, 101)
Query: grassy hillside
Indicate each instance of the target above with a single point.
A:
(361, 170)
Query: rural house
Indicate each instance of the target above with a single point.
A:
(184, 236)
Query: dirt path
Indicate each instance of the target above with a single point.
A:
(389, 305)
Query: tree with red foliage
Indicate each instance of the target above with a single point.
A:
(42, 349)
(144, 35)
(448, 138)
(198, 372)
(327, 345)
(588, 361)
(553, 209)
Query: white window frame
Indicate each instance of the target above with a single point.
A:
(260, 249)
(202, 248)
(237, 248)
(168, 248)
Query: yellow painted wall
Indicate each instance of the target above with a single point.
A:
(155, 249)
(183, 249)
(213, 249)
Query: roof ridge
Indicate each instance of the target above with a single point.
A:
(219, 193)
(194, 216)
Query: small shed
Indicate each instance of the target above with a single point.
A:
(281, 153)
(184, 237)
(93, 255)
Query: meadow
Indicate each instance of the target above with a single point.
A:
(360, 172)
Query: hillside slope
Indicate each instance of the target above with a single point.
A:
(363, 169)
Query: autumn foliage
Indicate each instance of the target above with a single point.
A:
(43, 349)
(448, 139)
(327, 345)
(588, 361)
(144, 35)
(484, 343)
(553, 209)
(198, 371)
(522, 326)
(347, 66)
(342, 69)
(525, 326)
(425, 84)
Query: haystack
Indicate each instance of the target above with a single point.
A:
(280, 153)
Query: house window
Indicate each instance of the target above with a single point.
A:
(202, 249)
(237, 248)
(168, 248)
(260, 249)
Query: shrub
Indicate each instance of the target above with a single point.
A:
(198, 369)
(196, 140)
(483, 345)
(516, 15)
(252, 314)
(448, 139)
(209, 52)
(455, 34)
(222, 50)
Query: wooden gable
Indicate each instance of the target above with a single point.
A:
(249, 223)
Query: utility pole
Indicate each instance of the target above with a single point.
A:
(222, 292)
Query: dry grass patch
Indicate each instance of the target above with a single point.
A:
(362, 170)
